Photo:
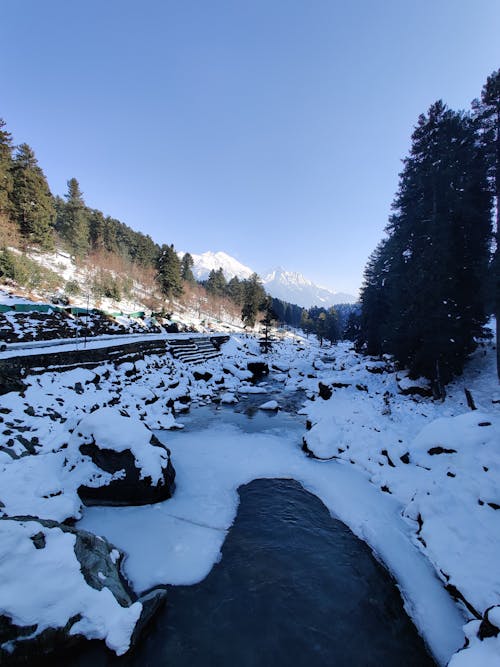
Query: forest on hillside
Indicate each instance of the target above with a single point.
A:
(31, 217)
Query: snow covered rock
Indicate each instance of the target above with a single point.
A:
(59, 584)
(413, 387)
(322, 440)
(271, 406)
(228, 398)
(140, 465)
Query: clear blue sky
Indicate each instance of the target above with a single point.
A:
(272, 130)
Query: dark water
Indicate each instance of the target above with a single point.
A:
(294, 588)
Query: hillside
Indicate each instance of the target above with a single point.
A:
(124, 296)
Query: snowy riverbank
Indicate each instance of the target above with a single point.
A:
(392, 476)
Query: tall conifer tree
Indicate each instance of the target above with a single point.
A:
(33, 202)
(6, 180)
(169, 272)
(487, 112)
(187, 264)
(74, 226)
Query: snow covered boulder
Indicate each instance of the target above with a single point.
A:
(228, 398)
(271, 406)
(59, 585)
(140, 465)
(324, 440)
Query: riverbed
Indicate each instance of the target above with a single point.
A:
(292, 583)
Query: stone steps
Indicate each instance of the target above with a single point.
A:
(193, 350)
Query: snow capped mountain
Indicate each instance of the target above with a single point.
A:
(295, 288)
(287, 285)
(209, 261)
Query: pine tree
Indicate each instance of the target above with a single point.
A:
(267, 321)
(74, 225)
(169, 272)
(216, 283)
(306, 323)
(234, 290)
(187, 264)
(254, 297)
(487, 113)
(374, 301)
(423, 293)
(6, 180)
(33, 204)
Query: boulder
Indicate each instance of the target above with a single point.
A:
(324, 391)
(140, 466)
(130, 488)
(258, 369)
(69, 586)
(413, 386)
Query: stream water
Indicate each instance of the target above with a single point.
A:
(294, 586)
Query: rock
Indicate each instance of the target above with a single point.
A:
(138, 466)
(99, 564)
(413, 386)
(487, 627)
(151, 602)
(324, 391)
(272, 406)
(130, 489)
(202, 376)
(228, 398)
(258, 369)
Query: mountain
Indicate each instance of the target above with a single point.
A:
(295, 288)
(287, 285)
(207, 261)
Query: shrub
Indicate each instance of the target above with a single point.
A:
(72, 288)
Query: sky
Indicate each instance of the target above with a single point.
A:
(272, 130)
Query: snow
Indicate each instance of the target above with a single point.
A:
(212, 261)
(293, 287)
(418, 480)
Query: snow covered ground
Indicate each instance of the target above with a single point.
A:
(417, 480)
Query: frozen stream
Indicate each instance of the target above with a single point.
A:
(293, 585)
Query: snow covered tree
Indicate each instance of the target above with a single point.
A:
(33, 204)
